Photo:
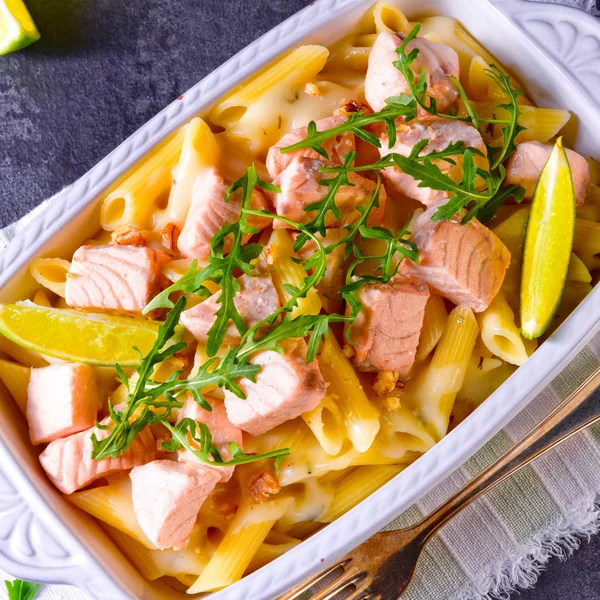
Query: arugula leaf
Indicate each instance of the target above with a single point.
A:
(21, 590)
(510, 132)
(144, 395)
(196, 438)
(396, 106)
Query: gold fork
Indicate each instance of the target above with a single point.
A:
(382, 567)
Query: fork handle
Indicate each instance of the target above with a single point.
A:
(572, 415)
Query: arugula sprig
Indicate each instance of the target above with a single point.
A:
(196, 438)
(356, 123)
(21, 590)
(221, 266)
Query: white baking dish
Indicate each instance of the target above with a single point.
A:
(554, 50)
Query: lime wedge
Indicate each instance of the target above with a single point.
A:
(548, 244)
(17, 28)
(78, 337)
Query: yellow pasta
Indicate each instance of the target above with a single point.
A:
(512, 234)
(434, 322)
(327, 424)
(482, 378)
(278, 255)
(200, 151)
(360, 416)
(586, 243)
(388, 17)
(112, 504)
(264, 107)
(146, 189)
(41, 298)
(16, 379)
(311, 499)
(51, 273)
(24, 356)
(268, 552)
(182, 564)
(354, 488)
(500, 333)
(234, 554)
(542, 124)
(436, 387)
(578, 271)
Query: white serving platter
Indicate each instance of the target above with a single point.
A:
(553, 50)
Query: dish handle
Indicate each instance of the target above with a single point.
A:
(38, 547)
(567, 35)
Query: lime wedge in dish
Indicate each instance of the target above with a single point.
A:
(548, 244)
(78, 337)
(17, 28)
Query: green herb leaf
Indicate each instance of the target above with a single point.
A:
(201, 446)
(21, 590)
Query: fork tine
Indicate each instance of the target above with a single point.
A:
(298, 591)
(351, 577)
(362, 592)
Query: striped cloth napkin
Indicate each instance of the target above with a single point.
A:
(503, 540)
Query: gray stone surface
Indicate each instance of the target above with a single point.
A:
(100, 71)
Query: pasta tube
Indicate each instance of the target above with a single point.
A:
(438, 384)
(242, 541)
(200, 150)
(434, 323)
(357, 486)
(501, 335)
(360, 416)
(51, 273)
(586, 243)
(16, 379)
(144, 190)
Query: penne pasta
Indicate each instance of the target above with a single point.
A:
(112, 504)
(501, 335)
(388, 17)
(41, 298)
(263, 107)
(327, 424)
(199, 151)
(360, 417)
(354, 488)
(311, 499)
(146, 189)
(242, 541)
(482, 378)
(578, 271)
(434, 323)
(541, 124)
(16, 379)
(436, 387)
(586, 243)
(51, 273)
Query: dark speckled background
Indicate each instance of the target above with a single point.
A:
(103, 68)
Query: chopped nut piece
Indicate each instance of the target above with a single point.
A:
(385, 382)
(312, 89)
(129, 235)
(348, 351)
(263, 485)
(169, 236)
(391, 403)
(351, 106)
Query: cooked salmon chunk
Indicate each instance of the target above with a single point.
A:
(167, 496)
(209, 213)
(383, 80)
(336, 267)
(387, 329)
(526, 163)
(464, 263)
(336, 147)
(300, 187)
(223, 432)
(61, 400)
(114, 278)
(285, 388)
(69, 464)
(439, 133)
(256, 300)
